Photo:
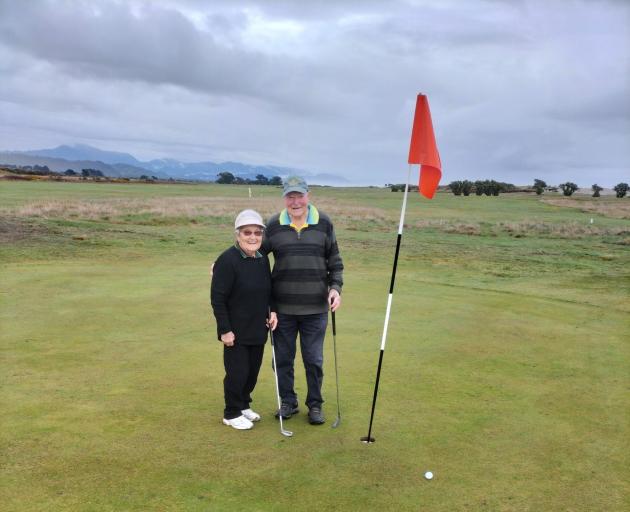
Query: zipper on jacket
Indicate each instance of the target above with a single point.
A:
(299, 231)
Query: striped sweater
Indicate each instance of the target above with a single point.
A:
(306, 265)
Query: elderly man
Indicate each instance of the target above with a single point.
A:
(306, 279)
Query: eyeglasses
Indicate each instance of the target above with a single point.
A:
(247, 232)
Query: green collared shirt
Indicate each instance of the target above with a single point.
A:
(257, 255)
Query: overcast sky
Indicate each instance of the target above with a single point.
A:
(518, 89)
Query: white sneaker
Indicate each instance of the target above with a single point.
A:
(251, 415)
(240, 423)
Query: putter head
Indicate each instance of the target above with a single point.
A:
(286, 433)
(337, 422)
(368, 440)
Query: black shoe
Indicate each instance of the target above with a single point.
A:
(316, 416)
(287, 410)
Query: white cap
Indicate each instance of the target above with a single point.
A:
(248, 217)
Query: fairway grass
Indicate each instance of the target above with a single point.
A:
(506, 373)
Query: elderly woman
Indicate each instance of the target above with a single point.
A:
(241, 300)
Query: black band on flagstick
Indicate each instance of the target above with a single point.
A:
(369, 438)
(391, 285)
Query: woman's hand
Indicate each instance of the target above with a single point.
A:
(272, 321)
(228, 339)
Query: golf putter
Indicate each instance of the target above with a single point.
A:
(334, 330)
(283, 431)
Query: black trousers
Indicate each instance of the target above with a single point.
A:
(242, 364)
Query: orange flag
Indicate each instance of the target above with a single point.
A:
(423, 149)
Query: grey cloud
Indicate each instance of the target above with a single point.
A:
(161, 47)
(612, 107)
(156, 47)
(516, 88)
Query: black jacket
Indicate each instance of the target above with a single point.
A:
(240, 295)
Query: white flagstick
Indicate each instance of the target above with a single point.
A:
(369, 438)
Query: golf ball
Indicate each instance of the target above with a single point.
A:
(428, 475)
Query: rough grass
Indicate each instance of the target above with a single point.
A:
(608, 206)
(571, 230)
(506, 369)
(159, 209)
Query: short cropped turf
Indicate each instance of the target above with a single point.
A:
(506, 371)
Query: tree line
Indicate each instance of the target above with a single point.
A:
(480, 187)
(494, 188)
(85, 173)
(227, 178)
(465, 187)
(568, 188)
(458, 187)
(223, 177)
(44, 170)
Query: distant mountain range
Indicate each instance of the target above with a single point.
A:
(115, 164)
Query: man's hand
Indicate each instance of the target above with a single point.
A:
(334, 299)
(272, 321)
(228, 339)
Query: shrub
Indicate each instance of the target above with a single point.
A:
(539, 186)
(596, 190)
(86, 173)
(568, 188)
(400, 187)
(225, 178)
(456, 187)
(621, 189)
